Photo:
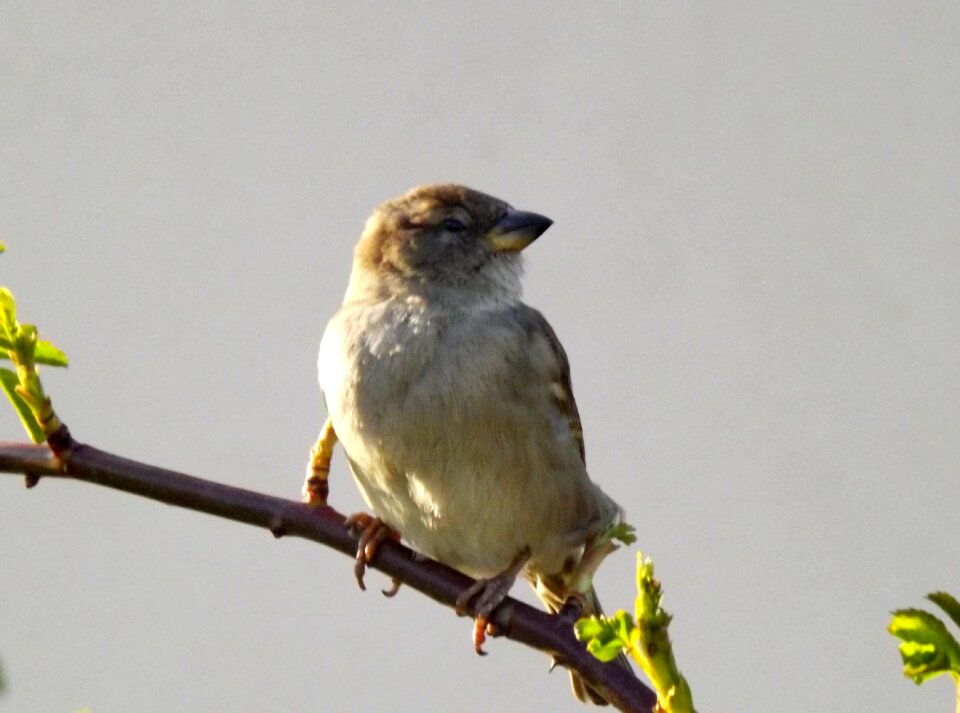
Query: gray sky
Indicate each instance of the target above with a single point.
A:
(753, 268)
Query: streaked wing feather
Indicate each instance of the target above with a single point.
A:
(563, 389)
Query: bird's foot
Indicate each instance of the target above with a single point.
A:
(485, 595)
(573, 606)
(372, 531)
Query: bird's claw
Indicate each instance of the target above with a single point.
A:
(481, 627)
(485, 595)
(394, 588)
(372, 531)
(573, 606)
(488, 594)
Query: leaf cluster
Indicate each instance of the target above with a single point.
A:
(927, 647)
(20, 344)
(644, 638)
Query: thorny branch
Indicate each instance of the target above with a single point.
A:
(513, 619)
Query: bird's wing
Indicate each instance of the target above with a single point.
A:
(561, 390)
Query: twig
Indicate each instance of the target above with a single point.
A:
(513, 619)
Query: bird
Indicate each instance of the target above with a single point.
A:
(452, 401)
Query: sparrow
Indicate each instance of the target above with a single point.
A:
(453, 404)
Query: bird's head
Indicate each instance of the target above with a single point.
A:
(446, 237)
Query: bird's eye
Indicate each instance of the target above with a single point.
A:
(453, 225)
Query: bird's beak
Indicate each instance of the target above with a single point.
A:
(516, 230)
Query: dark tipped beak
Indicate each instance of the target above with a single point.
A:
(516, 230)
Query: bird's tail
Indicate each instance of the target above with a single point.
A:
(554, 598)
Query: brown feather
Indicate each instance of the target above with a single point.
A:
(562, 388)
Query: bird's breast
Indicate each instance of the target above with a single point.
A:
(446, 443)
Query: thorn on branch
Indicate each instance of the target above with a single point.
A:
(31, 480)
(557, 660)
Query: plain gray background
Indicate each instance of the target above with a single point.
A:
(753, 268)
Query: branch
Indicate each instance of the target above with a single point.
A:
(513, 619)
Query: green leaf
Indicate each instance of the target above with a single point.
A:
(45, 353)
(48, 354)
(623, 623)
(590, 628)
(950, 606)
(9, 382)
(605, 648)
(606, 637)
(928, 648)
(8, 314)
(600, 636)
(622, 532)
(606, 651)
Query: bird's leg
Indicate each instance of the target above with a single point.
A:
(486, 595)
(373, 531)
(581, 584)
(315, 486)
